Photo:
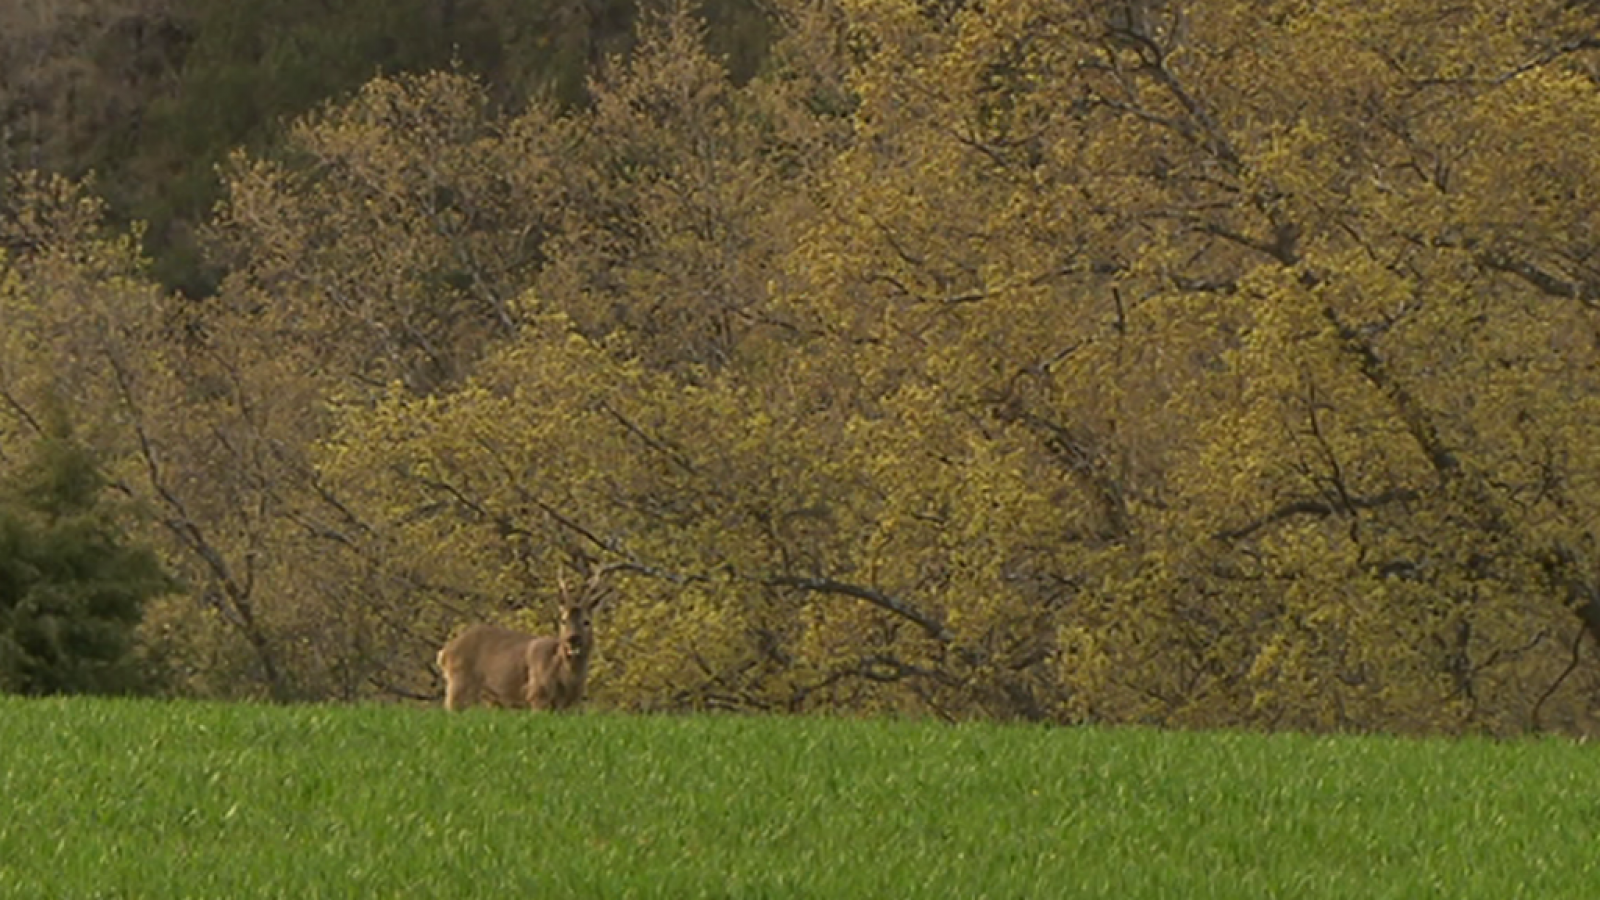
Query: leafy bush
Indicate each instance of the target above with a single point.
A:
(71, 589)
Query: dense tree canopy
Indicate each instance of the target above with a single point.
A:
(1197, 364)
(152, 94)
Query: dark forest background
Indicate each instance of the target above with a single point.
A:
(150, 95)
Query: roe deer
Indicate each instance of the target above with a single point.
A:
(500, 667)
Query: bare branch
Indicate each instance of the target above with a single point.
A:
(674, 455)
(1318, 508)
(189, 533)
(1549, 283)
(1577, 652)
(929, 623)
(21, 411)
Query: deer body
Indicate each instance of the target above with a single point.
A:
(500, 667)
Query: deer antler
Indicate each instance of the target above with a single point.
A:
(595, 590)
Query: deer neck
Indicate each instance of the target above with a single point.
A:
(575, 653)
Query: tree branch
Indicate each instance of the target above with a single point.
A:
(1577, 652)
(1586, 292)
(930, 624)
(1318, 508)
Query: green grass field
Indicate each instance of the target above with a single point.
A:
(141, 799)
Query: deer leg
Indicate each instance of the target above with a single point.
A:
(458, 694)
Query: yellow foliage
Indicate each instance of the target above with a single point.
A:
(1215, 364)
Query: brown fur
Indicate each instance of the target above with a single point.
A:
(499, 667)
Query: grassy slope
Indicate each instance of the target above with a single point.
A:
(104, 798)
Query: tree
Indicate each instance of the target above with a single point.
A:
(154, 94)
(169, 419)
(1221, 285)
(1117, 367)
(1158, 362)
(72, 585)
